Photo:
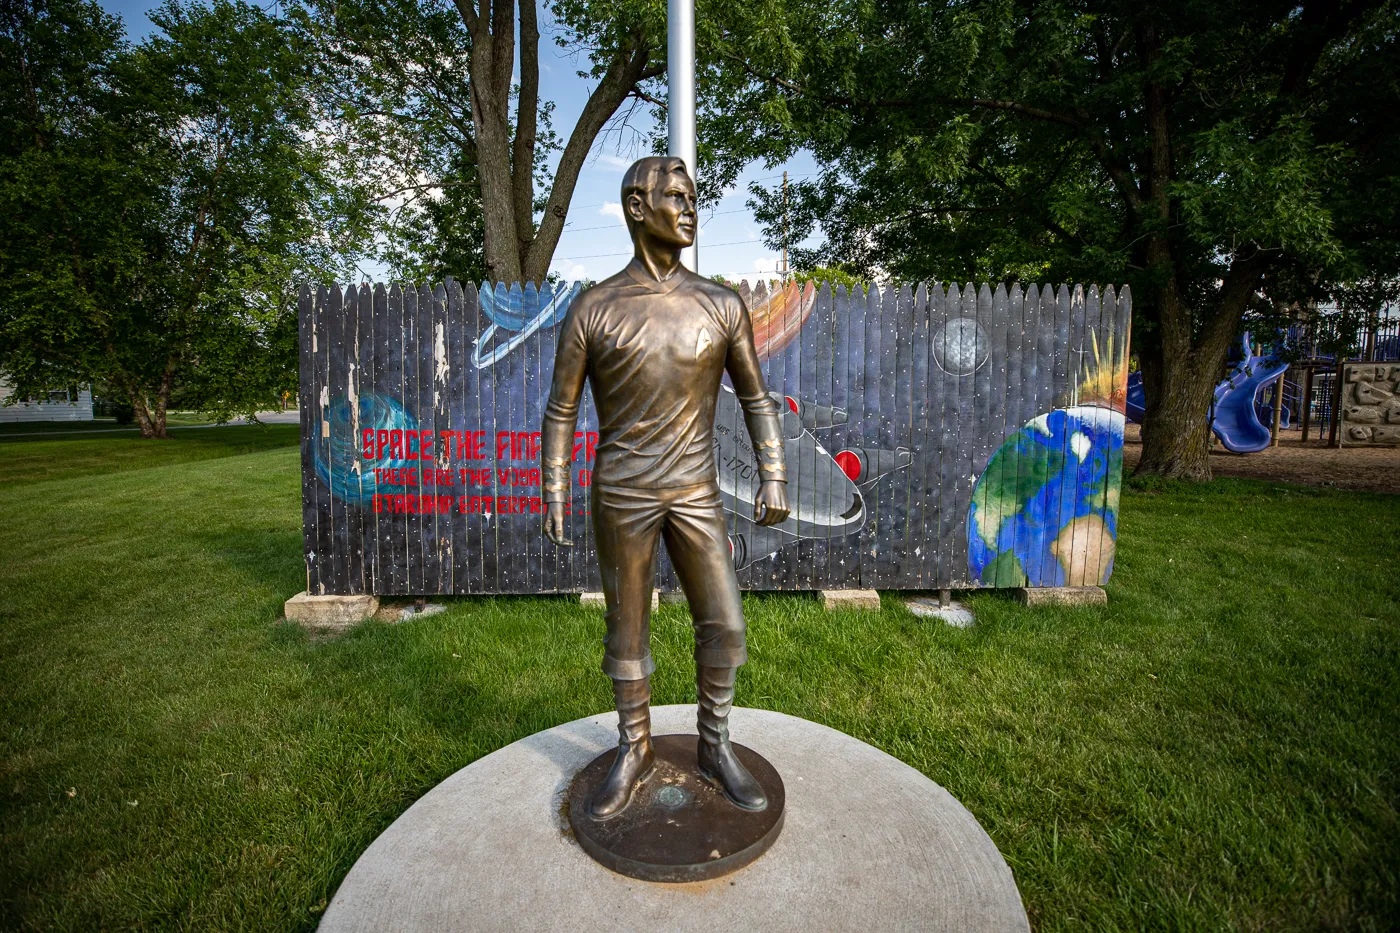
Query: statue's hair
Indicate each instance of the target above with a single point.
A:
(645, 174)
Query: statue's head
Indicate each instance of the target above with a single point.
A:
(658, 200)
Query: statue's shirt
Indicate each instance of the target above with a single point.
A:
(654, 353)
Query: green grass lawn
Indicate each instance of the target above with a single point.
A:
(92, 452)
(25, 428)
(173, 419)
(1216, 749)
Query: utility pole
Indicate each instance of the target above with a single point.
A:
(680, 99)
(785, 212)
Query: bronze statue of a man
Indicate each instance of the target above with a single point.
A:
(654, 341)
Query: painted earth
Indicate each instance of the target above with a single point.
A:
(1045, 511)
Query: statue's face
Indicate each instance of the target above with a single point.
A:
(667, 213)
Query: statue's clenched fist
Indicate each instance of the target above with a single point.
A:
(770, 507)
(554, 524)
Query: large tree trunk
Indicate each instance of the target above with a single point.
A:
(1181, 369)
(150, 419)
(167, 386)
(627, 69)
(1176, 428)
(1178, 380)
(515, 251)
(149, 425)
(1183, 362)
(150, 422)
(492, 59)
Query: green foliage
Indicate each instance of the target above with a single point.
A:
(1199, 151)
(439, 232)
(394, 80)
(977, 140)
(463, 162)
(835, 275)
(159, 203)
(1266, 191)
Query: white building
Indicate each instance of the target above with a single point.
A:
(59, 405)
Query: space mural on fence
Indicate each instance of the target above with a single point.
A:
(1045, 511)
(934, 439)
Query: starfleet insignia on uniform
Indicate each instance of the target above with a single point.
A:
(628, 337)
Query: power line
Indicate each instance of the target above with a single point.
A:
(708, 218)
(586, 229)
(574, 207)
(629, 252)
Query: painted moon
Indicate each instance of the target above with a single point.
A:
(960, 346)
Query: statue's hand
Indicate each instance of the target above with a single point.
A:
(554, 524)
(770, 507)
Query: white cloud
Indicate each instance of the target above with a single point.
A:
(614, 161)
(571, 271)
(766, 265)
(613, 209)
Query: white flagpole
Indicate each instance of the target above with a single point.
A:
(680, 98)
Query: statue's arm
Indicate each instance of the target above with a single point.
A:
(763, 418)
(560, 420)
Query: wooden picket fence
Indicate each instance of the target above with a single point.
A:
(938, 437)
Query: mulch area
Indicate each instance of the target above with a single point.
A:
(1373, 469)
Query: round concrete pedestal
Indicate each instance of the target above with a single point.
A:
(868, 844)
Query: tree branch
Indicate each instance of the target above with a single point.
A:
(502, 48)
(1024, 110)
(1322, 22)
(996, 179)
(526, 127)
(468, 13)
(428, 186)
(1236, 289)
(624, 71)
(643, 95)
(1117, 172)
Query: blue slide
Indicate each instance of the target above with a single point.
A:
(1137, 399)
(1239, 422)
(1236, 421)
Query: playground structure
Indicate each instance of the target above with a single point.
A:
(1262, 394)
(1371, 404)
(1235, 417)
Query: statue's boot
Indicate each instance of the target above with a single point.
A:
(715, 686)
(635, 758)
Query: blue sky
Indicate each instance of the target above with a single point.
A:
(595, 244)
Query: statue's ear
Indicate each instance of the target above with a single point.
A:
(634, 206)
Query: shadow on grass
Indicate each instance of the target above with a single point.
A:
(271, 557)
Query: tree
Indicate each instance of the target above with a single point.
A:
(424, 87)
(158, 204)
(1191, 149)
(1365, 201)
(835, 276)
(440, 232)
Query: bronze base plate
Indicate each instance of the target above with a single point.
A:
(678, 826)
